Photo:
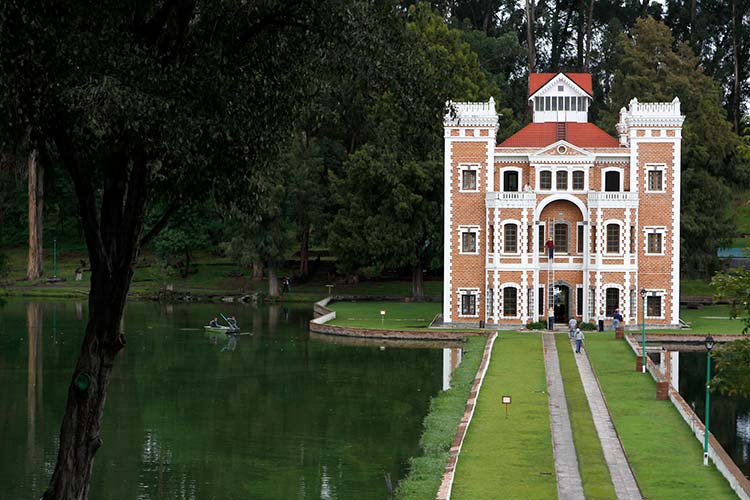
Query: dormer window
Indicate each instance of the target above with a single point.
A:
(560, 97)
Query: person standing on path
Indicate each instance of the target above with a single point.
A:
(551, 318)
(572, 326)
(600, 321)
(579, 340)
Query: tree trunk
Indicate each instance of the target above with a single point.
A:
(35, 268)
(589, 23)
(80, 431)
(304, 252)
(736, 72)
(530, 42)
(693, 8)
(580, 34)
(257, 271)
(186, 269)
(417, 283)
(273, 281)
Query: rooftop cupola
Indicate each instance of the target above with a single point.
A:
(560, 97)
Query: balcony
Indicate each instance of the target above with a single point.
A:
(511, 199)
(613, 199)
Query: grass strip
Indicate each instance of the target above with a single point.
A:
(440, 424)
(597, 483)
(510, 458)
(662, 451)
(398, 315)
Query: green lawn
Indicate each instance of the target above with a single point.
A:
(664, 454)
(597, 483)
(440, 424)
(692, 288)
(711, 319)
(398, 315)
(510, 458)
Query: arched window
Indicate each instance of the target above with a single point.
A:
(510, 180)
(545, 180)
(612, 180)
(510, 301)
(562, 180)
(613, 238)
(613, 300)
(510, 238)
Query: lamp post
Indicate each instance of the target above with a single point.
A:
(709, 346)
(643, 330)
(382, 317)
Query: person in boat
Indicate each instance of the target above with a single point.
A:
(232, 322)
(214, 323)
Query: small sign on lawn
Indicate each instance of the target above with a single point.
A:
(506, 400)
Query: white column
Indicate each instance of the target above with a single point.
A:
(447, 232)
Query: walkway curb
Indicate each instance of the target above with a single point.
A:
(446, 485)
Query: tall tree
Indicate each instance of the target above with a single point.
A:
(143, 102)
(34, 268)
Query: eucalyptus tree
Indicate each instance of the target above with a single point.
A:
(149, 103)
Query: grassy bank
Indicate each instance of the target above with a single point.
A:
(446, 410)
(510, 457)
(711, 319)
(597, 484)
(398, 315)
(664, 454)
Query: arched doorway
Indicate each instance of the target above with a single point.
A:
(562, 303)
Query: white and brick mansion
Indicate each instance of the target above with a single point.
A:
(607, 209)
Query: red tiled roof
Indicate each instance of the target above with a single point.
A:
(539, 80)
(538, 135)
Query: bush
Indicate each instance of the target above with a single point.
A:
(536, 325)
(588, 327)
(4, 266)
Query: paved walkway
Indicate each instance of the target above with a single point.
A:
(626, 487)
(569, 485)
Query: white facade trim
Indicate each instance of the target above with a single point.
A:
(475, 167)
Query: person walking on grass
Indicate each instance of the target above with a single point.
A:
(616, 318)
(579, 340)
(572, 327)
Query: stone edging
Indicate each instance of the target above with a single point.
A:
(721, 459)
(323, 314)
(446, 485)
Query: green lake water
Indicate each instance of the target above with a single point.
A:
(274, 415)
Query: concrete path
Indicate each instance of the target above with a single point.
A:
(569, 485)
(626, 487)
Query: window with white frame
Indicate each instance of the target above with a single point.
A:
(612, 300)
(510, 238)
(613, 238)
(530, 301)
(542, 239)
(510, 302)
(545, 180)
(612, 180)
(490, 301)
(592, 299)
(655, 305)
(469, 239)
(654, 236)
(540, 301)
(633, 302)
(511, 180)
(579, 238)
(654, 178)
(469, 178)
(468, 301)
(579, 180)
(561, 234)
(561, 180)
(579, 300)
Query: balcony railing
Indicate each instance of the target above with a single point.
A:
(511, 199)
(612, 198)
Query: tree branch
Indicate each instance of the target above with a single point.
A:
(160, 224)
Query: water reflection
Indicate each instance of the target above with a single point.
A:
(269, 415)
(730, 416)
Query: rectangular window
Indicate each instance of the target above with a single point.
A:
(567, 104)
(593, 238)
(653, 306)
(545, 180)
(613, 301)
(554, 104)
(655, 180)
(654, 243)
(510, 181)
(469, 304)
(530, 239)
(547, 105)
(579, 237)
(613, 238)
(468, 242)
(530, 301)
(540, 234)
(579, 301)
(491, 238)
(510, 301)
(510, 244)
(538, 103)
(490, 301)
(560, 103)
(580, 104)
(562, 180)
(469, 180)
(578, 180)
(540, 302)
(561, 238)
(592, 296)
(633, 302)
(632, 239)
